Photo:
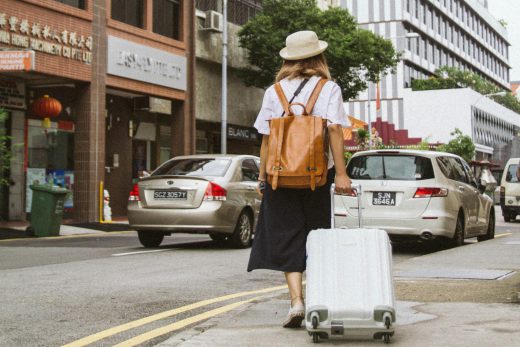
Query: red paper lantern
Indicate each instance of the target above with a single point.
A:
(46, 108)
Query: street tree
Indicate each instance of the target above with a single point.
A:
(354, 55)
(461, 145)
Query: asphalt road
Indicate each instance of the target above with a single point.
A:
(58, 290)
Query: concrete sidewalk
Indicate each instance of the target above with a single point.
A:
(469, 296)
(17, 229)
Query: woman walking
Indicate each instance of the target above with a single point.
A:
(287, 215)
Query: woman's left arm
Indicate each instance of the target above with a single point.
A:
(343, 182)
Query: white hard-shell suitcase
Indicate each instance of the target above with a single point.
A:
(349, 290)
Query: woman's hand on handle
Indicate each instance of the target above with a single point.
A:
(343, 184)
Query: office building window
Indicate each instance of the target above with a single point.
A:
(128, 11)
(74, 3)
(166, 18)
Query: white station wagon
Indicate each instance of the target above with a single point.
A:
(417, 194)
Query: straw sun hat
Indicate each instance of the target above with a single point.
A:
(301, 45)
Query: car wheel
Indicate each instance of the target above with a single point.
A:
(458, 236)
(150, 238)
(508, 217)
(241, 237)
(490, 229)
(218, 237)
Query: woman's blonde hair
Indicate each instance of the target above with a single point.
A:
(304, 68)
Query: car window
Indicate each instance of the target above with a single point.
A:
(452, 169)
(249, 170)
(194, 167)
(513, 173)
(471, 177)
(390, 167)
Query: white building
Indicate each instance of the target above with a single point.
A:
(459, 33)
(434, 114)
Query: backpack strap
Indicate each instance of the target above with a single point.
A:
(312, 163)
(281, 96)
(278, 155)
(315, 94)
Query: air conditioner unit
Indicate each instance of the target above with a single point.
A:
(213, 21)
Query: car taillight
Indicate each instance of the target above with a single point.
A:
(426, 192)
(215, 192)
(134, 193)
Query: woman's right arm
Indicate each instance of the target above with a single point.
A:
(263, 158)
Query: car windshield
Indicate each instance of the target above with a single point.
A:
(194, 167)
(390, 167)
(513, 174)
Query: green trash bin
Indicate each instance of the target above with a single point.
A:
(46, 210)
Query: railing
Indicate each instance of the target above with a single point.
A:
(239, 11)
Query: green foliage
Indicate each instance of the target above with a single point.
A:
(362, 138)
(460, 145)
(351, 50)
(5, 154)
(450, 77)
(348, 156)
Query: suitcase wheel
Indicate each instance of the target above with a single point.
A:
(315, 320)
(386, 338)
(388, 322)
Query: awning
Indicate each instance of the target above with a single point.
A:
(355, 124)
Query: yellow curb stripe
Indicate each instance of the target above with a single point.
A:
(180, 324)
(137, 323)
(502, 235)
(104, 234)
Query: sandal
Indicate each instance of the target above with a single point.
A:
(295, 316)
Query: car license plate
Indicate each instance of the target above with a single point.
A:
(170, 195)
(383, 198)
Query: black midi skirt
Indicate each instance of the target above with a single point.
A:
(285, 219)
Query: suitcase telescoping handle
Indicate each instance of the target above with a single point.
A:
(359, 193)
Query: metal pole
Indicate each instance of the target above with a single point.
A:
(223, 130)
(369, 119)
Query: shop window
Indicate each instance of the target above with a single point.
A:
(128, 11)
(166, 18)
(50, 157)
(74, 3)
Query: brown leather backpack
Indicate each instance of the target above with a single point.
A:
(297, 147)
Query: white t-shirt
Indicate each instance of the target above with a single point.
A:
(329, 104)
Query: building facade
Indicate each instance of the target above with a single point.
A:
(243, 103)
(123, 73)
(457, 33)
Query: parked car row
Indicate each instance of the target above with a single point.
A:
(202, 194)
(418, 194)
(421, 195)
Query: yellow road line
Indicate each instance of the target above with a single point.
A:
(502, 235)
(180, 324)
(137, 323)
(102, 234)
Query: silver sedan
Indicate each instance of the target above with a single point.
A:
(200, 194)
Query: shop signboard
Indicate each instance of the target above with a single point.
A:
(242, 133)
(142, 63)
(23, 32)
(16, 60)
